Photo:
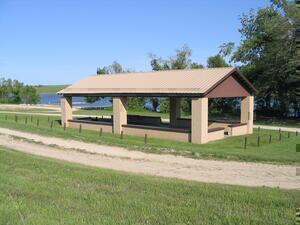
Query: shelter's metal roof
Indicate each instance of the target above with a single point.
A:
(181, 82)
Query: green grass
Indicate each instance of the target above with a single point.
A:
(49, 89)
(36, 190)
(279, 152)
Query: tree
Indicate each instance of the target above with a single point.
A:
(196, 66)
(114, 68)
(180, 61)
(29, 95)
(135, 103)
(15, 92)
(216, 61)
(268, 56)
(226, 49)
(102, 70)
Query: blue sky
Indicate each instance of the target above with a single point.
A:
(62, 41)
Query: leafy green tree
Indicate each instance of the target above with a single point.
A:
(180, 61)
(135, 103)
(102, 70)
(164, 105)
(226, 49)
(268, 56)
(15, 88)
(196, 66)
(14, 92)
(216, 61)
(29, 95)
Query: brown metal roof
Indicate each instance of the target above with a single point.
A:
(177, 82)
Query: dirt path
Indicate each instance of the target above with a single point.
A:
(238, 173)
(28, 107)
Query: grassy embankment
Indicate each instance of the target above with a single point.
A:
(282, 152)
(36, 190)
(49, 89)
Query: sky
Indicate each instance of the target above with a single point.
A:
(52, 42)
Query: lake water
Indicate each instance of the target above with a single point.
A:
(77, 101)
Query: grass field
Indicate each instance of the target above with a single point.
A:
(35, 190)
(282, 152)
(49, 89)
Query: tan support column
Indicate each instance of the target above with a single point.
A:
(66, 110)
(120, 114)
(199, 120)
(174, 110)
(247, 107)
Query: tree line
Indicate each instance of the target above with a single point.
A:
(15, 92)
(266, 55)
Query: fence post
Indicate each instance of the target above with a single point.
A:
(64, 126)
(258, 129)
(16, 118)
(121, 135)
(6, 119)
(38, 122)
(145, 139)
(289, 135)
(270, 139)
(279, 136)
(100, 132)
(258, 141)
(245, 142)
(80, 128)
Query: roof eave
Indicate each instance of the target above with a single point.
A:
(124, 94)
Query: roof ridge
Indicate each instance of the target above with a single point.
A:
(154, 71)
